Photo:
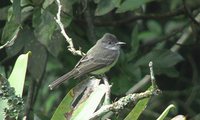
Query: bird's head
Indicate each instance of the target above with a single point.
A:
(110, 41)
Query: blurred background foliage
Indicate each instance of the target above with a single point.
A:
(150, 28)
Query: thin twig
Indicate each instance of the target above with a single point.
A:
(153, 81)
(68, 39)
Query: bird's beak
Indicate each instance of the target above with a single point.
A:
(120, 43)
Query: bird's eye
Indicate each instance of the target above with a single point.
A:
(109, 42)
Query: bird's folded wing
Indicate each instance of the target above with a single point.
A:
(92, 64)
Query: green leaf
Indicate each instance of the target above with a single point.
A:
(64, 107)
(67, 5)
(116, 2)
(134, 43)
(138, 109)
(37, 62)
(129, 5)
(45, 27)
(170, 72)
(22, 38)
(123, 83)
(161, 58)
(147, 35)
(46, 3)
(25, 2)
(87, 108)
(10, 31)
(17, 11)
(18, 74)
(165, 112)
(171, 26)
(3, 12)
(56, 43)
(103, 7)
(164, 61)
(84, 110)
(154, 26)
(174, 4)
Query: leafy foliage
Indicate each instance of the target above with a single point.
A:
(149, 27)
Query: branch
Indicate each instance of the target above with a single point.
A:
(68, 39)
(186, 34)
(178, 11)
(122, 102)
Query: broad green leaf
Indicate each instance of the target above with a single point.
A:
(165, 112)
(25, 2)
(138, 109)
(170, 71)
(45, 26)
(116, 2)
(22, 39)
(37, 62)
(56, 43)
(174, 4)
(134, 43)
(122, 83)
(164, 61)
(18, 74)
(37, 2)
(67, 5)
(46, 3)
(83, 90)
(147, 35)
(160, 58)
(171, 26)
(10, 31)
(129, 5)
(96, 1)
(87, 108)
(104, 6)
(154, 26)
(134, 38)
(17, 11)
(3, 12)
(64, 107)
(77, 96)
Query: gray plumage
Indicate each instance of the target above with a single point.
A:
(98, 60)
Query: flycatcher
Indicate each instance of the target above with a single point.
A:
(98, 60)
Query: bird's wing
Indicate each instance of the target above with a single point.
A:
(90, 64)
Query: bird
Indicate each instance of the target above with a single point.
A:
(98, 60)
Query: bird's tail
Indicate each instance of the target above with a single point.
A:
(61, 79)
